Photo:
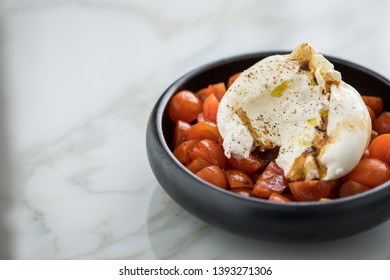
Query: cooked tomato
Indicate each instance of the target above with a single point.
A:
(351, 187)
(197, 164)
(214, 175)
(271, 180)
(242, 191)
(180, 132)
(237, 179)
(248, 165)
(370, 172)
(184, 106)
(380, 148)
(312, 190)
(210, 108)
(182, 151)
(382, 123)
(375, 103)
(218, 90)
(200, 118)
(204, 130)
(232, 79)
(210, 151)
(278, 198)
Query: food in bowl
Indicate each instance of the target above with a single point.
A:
(286, 129)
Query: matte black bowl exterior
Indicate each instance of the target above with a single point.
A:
(261, 219)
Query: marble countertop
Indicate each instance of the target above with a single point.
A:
(78, 81)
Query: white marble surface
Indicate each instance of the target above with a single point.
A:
(79, 79)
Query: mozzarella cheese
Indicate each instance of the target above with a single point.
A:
(299, 103)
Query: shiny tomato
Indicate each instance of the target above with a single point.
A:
(180, 132)
(366, 154)
(197, 164)
(278, 198)
(238, 179)
(248, 165)
(312, 190)
(375, 103)
(382, 123)
(232, 79)
(271, 180)
(184, 106)
(242, 191)
(218, 90)
(210, 108)
(370, 172)
(210, 151)
(214, 175)
(200, 118)
(182, 151)
(380, 147)
(351, 187)
(204, 130)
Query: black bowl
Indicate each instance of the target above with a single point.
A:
(262, 219)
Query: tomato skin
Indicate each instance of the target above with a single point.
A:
(374, 102)
(278, 198)
(238, 179)
(248, 165)
(204, 130)
(271, 180)
(232, 78)
(372, 113)
(313, 190)
(382, 123)
(184, 106)
(214, 175)
(351, 188)
(380, 147)
(180, 132)
(370, 172)
(182, 151)
(210, 151)
(242, 191)
(210, 108)
(197, 165)
(217, 89)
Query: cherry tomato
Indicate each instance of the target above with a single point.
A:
(201, 118)
(372, 113)
(271, 180)
(248, 165)
(210, 108)
(197, 164)
(351, 187)
(375, 103)
(312, 190)
(182, 151)
(232, 79)
(218, 90)
(382, 123)
(180, 132)
(238, 179)
(380, 147)
(242, 191)
(278, 198)
(204, 130)
(366, 154)
(370, 172)
(210, 151)
(184, 106)
(214, 175)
